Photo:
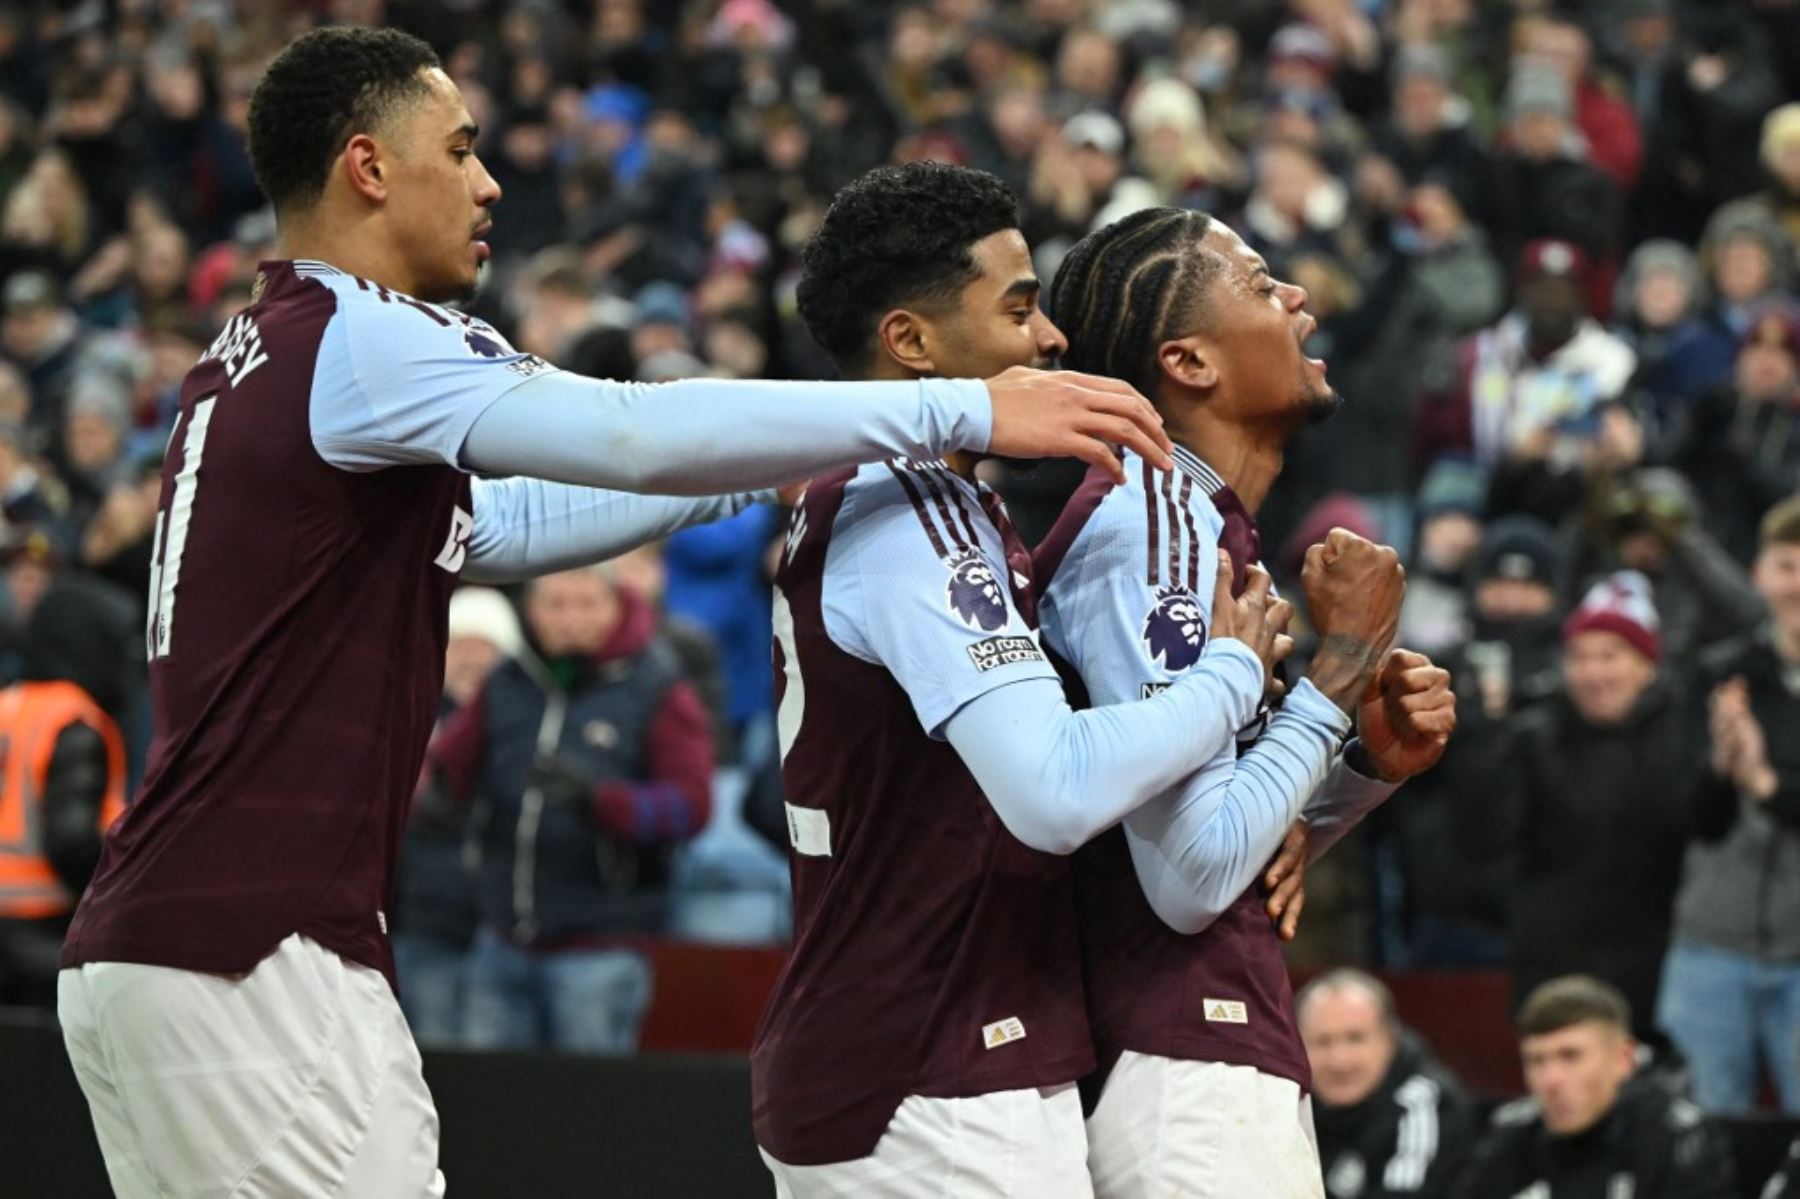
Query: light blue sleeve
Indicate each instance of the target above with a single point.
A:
(1059, 778)
(1340, 804)
(401, 382)
(915, 582)
(526, 527)
(701, 436)
(1202, 845)
(1129, 615)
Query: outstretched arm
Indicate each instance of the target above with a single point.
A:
(526, 527)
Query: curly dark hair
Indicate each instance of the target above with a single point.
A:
(1124, 289)
(328, 85)
(896, 236)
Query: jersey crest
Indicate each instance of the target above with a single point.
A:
(974, 591)
(483, 344)
(1174, 631)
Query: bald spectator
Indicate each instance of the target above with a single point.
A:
(1391, 1120)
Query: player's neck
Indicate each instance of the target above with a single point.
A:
(1248, 459)
(356, 248)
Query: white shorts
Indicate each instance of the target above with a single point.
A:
(298, 1078)
(1025, 1144)
(1203, 1130)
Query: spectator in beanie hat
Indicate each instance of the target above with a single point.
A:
(1587, 797)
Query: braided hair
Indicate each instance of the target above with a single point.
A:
(326, 87)
(1124, 289)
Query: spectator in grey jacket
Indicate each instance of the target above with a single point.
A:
(1731, 983)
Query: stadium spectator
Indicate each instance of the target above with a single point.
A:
(64, 772)
(1591, 1126)
(1545, 187)
(435, 909)
(1427, 134)
(1391, 1119)
(592, 759)
(1681, 351)
(1731, 983)
(1741, 447)
(1606, 123)
(717, 581)
(1749, 264)
(1780, 196)
(1440, 903)
(1435, 614)
(1527, 393)
(28, 495)
(1651, 521)
(42, 337)
(1587, 797)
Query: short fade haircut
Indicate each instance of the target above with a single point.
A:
(1574, 999)
(893, 237)
(327, 86)
(1345, 978)
(1125, 289)
(1781, 524)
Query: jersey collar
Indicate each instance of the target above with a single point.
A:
(1190, 464)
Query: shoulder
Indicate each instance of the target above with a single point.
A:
(912, 503)
(377, 320)
(1160, 524)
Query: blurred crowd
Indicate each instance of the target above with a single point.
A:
(1552, 249)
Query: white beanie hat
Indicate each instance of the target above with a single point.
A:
(485, 613)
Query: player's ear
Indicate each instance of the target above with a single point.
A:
(905, 338)
(365, 167)
(1190, 362)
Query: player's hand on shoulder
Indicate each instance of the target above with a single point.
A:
(1255, 617)
(1065, 414)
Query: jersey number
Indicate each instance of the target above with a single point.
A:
(170, 537)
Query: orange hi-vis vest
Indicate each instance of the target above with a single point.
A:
(32, 716)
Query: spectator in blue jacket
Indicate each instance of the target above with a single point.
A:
(718, 580)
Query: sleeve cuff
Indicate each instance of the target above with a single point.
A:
(1243, 674)
(963, 410)
(1309, 704)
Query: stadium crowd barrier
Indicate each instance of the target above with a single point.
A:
(673, 1121)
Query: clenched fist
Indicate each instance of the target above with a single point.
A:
(1353, 590)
